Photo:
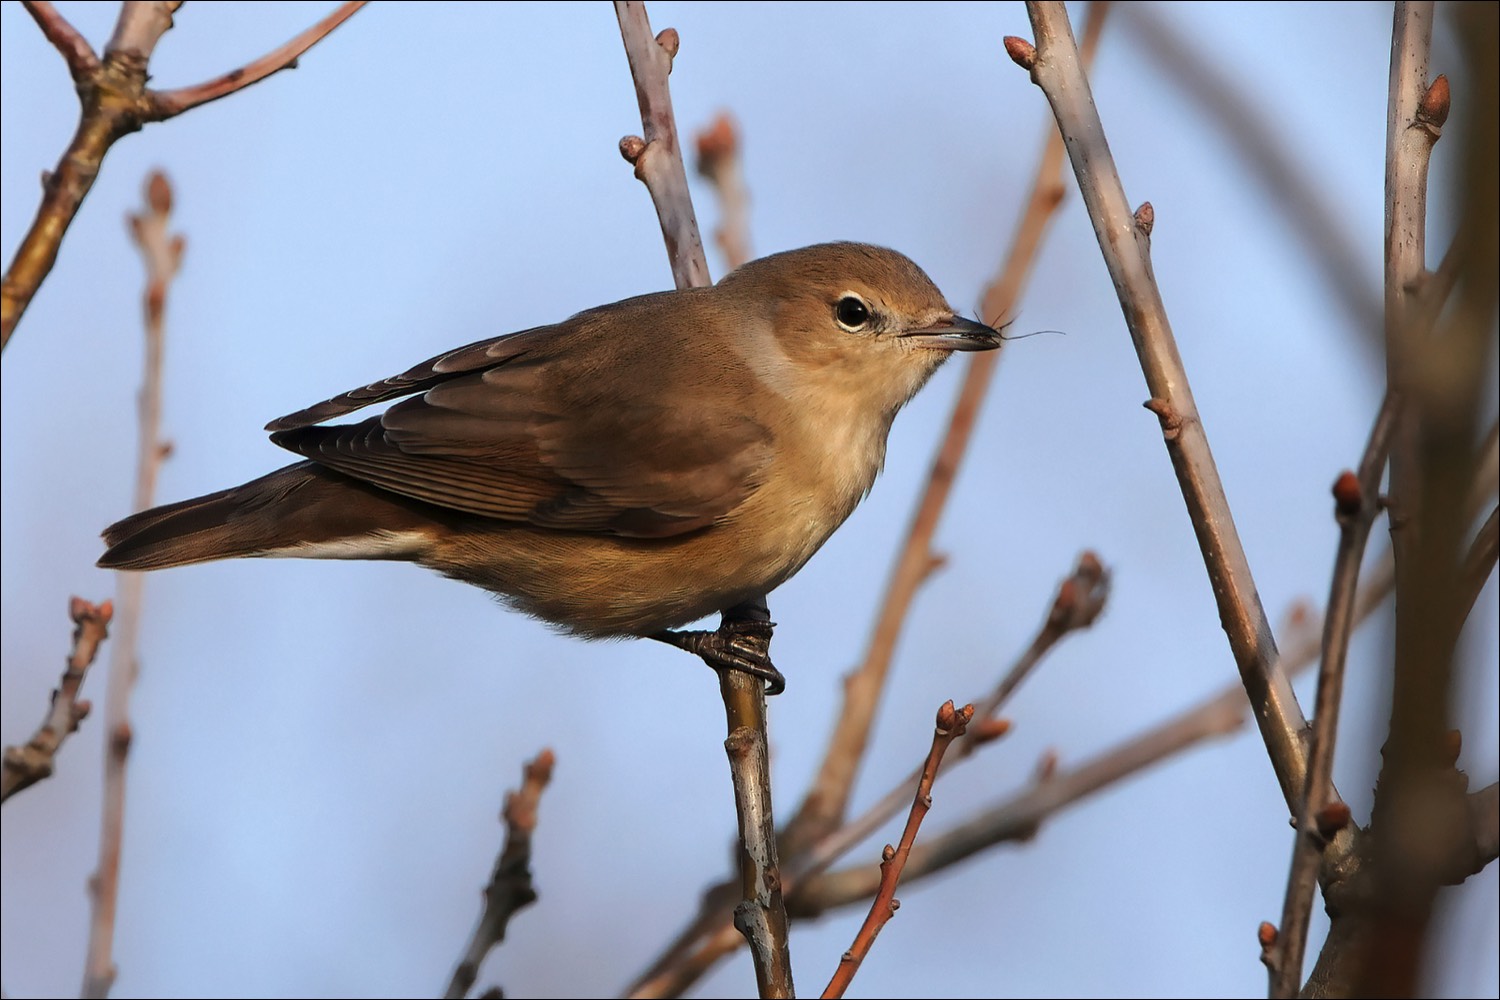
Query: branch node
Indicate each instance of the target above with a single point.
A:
(631, 147)
(1171, 423)
(1145, 219)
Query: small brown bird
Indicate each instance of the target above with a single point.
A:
(622, 473)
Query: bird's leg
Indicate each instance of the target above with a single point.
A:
(741, 642)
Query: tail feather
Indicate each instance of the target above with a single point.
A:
(301, 509)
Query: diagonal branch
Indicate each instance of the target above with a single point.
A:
(951, 724)
(1357, 505)
(174, 102)
(74, 48)
(509, 889)
(25, 765)
(114, 101)
(1124, 240)
(827, 800)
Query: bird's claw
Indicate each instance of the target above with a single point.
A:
(737, 644)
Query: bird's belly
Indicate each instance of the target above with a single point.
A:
(602, 585)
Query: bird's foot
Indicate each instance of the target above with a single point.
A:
(742, 644)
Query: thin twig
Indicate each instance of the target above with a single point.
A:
(180, 99)
(951, 724)
(1020, 816)
(1078, 602)
(827, 799)
(162, 254)
(1016, 818)
(1126, 247)
(510, 888)
(114, 101)
(25, 765)
(1356, 506)
(75, 49)
(719, 160)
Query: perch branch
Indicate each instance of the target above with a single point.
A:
(761, 913)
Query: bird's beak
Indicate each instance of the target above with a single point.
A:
(954, 334)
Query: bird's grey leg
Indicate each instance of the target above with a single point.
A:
(741, 642)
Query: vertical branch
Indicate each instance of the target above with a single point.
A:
(163, 255)
(1408, 151)
(761, 913)
(1419, 805)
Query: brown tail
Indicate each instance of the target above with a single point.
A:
(302, 509)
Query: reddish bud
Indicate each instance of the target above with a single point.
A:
(990, 729)
(1435, 103)
(1347, 496)
(1266, 934)
(1453, 745)
(159, 193)
(1021, 52)
(1332, 818)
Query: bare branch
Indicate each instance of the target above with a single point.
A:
(509, 889)
(827, 800)
(1078, 602)
(74, 48)
(114, 102)
(761, 913)
(950, 725)
(1356, 506)
(162, 254)
(1019, 817)
(658, 157)
(1057, 71)
(25, 765)
(180, 99)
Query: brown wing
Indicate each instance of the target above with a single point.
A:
(575, 427)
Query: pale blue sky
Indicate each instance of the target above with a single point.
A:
(322, 748)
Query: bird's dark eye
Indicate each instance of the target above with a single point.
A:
(851, 312)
